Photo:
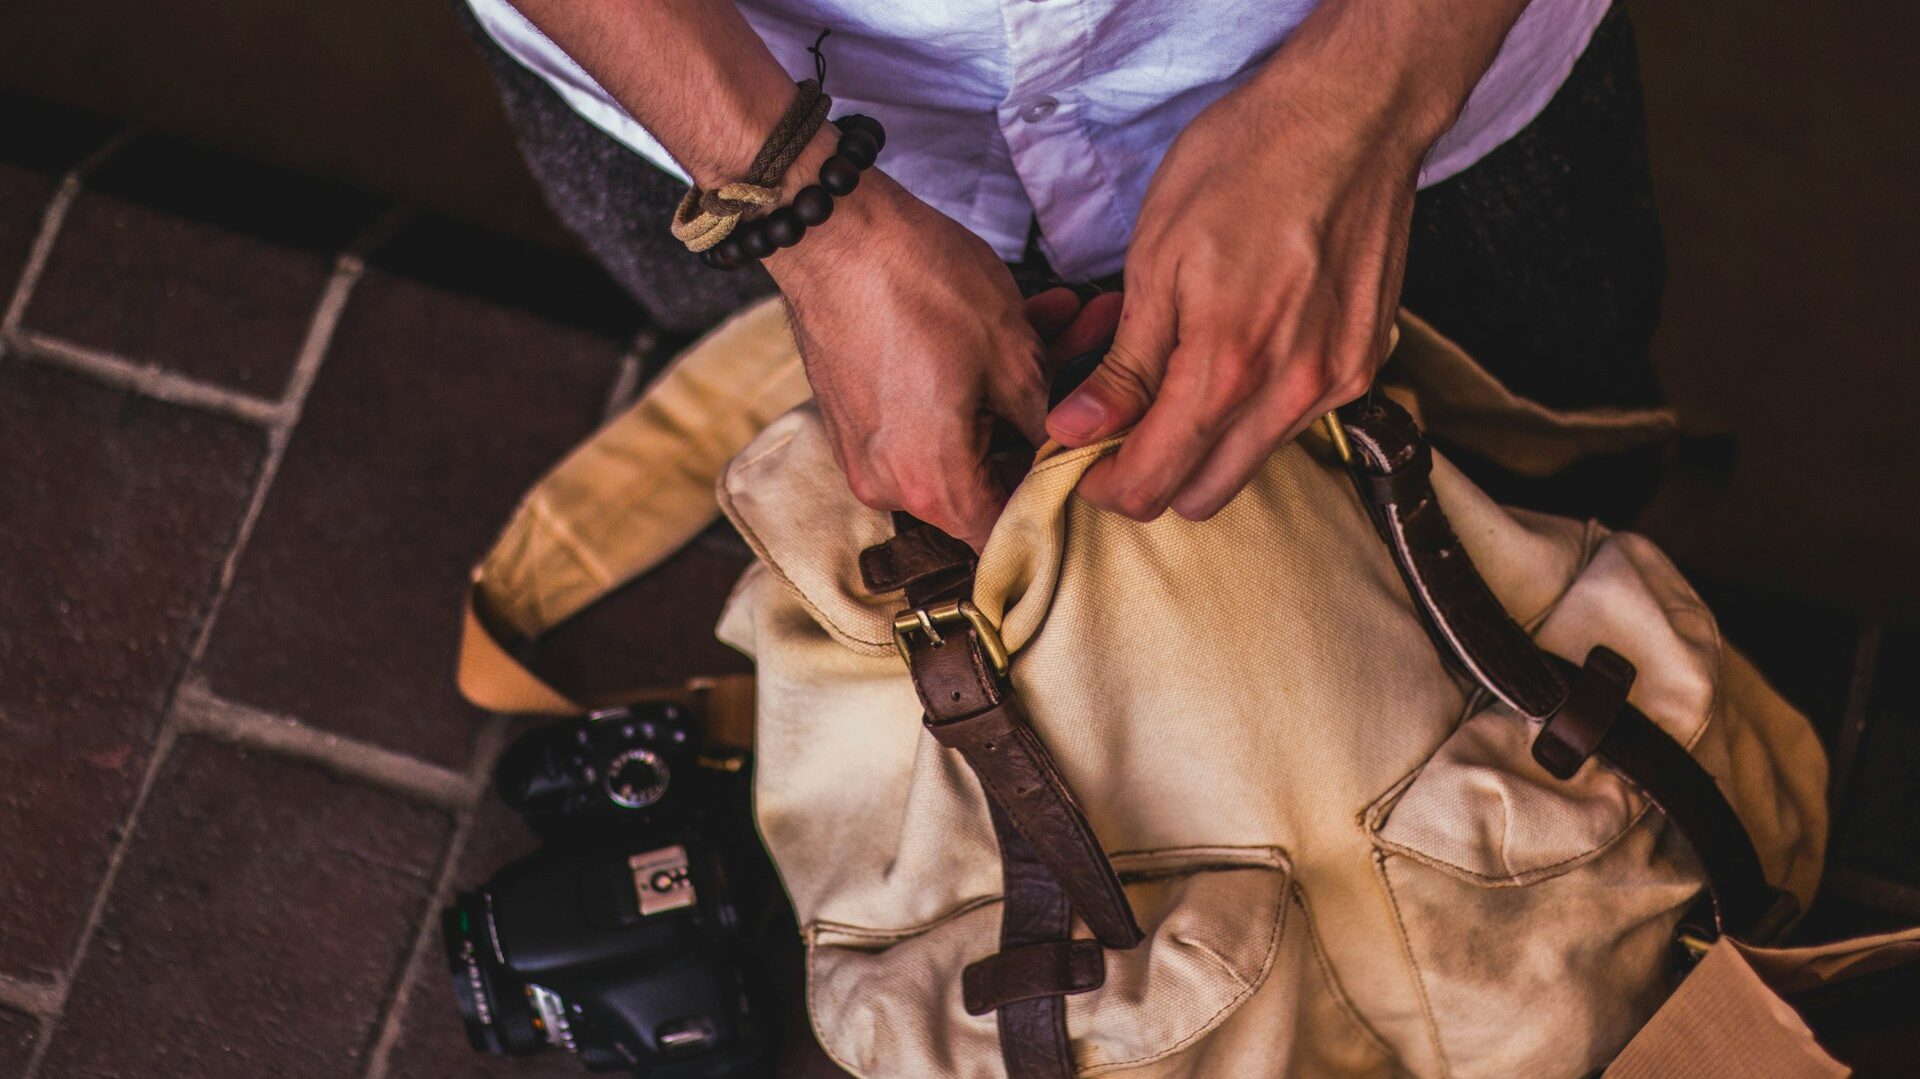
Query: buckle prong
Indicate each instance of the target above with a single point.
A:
(957, 612)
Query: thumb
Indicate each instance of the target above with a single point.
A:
(1117, 393)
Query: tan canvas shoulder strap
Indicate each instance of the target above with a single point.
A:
(622, 502)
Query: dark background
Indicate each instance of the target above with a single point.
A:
(288, 328)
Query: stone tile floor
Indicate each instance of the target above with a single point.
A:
(253, 428)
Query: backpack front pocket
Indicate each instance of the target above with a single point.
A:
(888, 1003)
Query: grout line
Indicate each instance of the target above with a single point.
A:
(51, 221)
(189, 700)
(149, 380)
(39, 999)
(162, 747)
(197, 710)
(492, 741)
(347, 271)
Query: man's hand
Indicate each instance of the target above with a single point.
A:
(1265, 268)
(915, 339)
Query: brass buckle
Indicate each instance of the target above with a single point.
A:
(928, 620)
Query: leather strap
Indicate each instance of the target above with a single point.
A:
(1033, 913)
(916, 555)
(1051, 862)
(973, 709)
(1582, 712)
(1030, 971)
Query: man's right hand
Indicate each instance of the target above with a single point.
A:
(915, 338)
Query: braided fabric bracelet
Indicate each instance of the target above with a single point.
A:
(861, 139)
(704, 218)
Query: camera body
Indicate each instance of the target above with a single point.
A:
(628, 938)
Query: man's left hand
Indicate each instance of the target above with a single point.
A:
(1264, 271)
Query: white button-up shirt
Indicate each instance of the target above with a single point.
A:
(1003, 112)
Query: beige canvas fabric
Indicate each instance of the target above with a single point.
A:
(1346, 863)
(1728, 1019)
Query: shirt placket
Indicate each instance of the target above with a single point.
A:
(1045, 123)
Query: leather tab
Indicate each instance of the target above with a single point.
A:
(1594, 699)
(910, 557)
(1054, 968)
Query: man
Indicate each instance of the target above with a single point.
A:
(1251, 168)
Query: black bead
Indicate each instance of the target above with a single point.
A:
(754, 240)
(813, 205)
(783, 227)
(859, 148)
(839, 175)
(711, 256)
(730, 252)
(856, 122)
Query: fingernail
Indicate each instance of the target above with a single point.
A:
(1081, 415)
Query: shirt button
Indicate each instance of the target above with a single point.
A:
(1038, 109)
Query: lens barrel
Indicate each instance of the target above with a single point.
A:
(493, 1003)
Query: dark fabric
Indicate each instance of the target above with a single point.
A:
(1544, 259)
(616, 201)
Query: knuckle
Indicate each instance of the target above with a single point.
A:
(924, 501)
(1138, 502)
(869, 490)
(1351, 386)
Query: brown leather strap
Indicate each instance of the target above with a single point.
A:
(1472, 631)
(1033, 912)
(971, 708)
(1020, 778)
(1051, 863)
(913, 557)
(1048, 969)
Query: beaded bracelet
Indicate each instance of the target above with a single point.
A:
(861, 139)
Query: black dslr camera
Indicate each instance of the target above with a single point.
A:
(636, 937)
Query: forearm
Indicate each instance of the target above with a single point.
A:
(692, 72)
(1397, 70)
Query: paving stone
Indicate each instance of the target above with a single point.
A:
(42, 143)
(17, 1034)
(434, 412)
(256, 927)
(115, 515)
(200, 262)
(556, 285)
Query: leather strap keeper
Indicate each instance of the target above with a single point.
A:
(1054, 968)
(911, 557)
(1594, 699)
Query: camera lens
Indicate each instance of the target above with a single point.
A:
(493, 1003)
(637, 778)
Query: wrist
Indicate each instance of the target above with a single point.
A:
(856, 228)
(1382, 73)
